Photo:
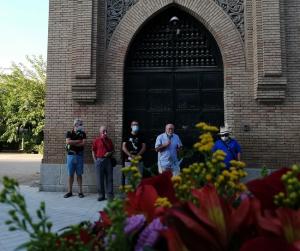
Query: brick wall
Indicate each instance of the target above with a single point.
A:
(95, 92)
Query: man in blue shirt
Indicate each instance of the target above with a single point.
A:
(228, 145)
(167, 145)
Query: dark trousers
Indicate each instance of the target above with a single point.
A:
(104, 173)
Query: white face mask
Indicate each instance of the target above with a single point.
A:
(224, 138)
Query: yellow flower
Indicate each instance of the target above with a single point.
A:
(176, 179)
(133, 169)
(125, 169)
(208, 177)
(137, 175)
(238, 164)
(220, 178)
(162, 202)
(186, 170)
(205, 127)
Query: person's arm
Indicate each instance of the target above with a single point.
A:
(94, 156)
(94, 150)
(125, 150)
(239, 156)
(143, 149)
(112, 150)
(81, 143)
(70, 141)
(239, 150)
(179, 145)
(74, 142)
(159, 146)
(162, 147)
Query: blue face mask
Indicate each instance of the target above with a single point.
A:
(135, 128)
(79, 129)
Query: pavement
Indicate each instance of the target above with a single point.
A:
(25, 168)
(62, 212)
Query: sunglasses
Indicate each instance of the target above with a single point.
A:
(224, 135)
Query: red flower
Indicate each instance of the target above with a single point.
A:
(142, 201)
(104, 218)
(267, 243)
(265, 189)
(211, 225)
(82, 235)
(145, 196)
(173, 240)
(284, 225)
(163, 185)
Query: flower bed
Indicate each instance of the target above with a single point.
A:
(206, 208)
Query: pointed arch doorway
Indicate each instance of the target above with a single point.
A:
(173, 74)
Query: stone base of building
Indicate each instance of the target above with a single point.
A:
(54, 178)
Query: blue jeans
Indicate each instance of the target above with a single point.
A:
(75, 164)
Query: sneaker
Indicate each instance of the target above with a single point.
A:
(67, 195)
(101, 198)
(80, 195)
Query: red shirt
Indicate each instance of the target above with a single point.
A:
(101, 146)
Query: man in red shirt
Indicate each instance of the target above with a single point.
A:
(102, 150)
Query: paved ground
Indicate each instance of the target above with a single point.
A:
(23, 167)
(62, 212)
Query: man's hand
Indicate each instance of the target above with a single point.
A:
(108, 154)
(167, 143)
(163, 146)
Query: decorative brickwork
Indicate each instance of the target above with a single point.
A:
(116, 9)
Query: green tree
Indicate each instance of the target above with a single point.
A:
(22, 99)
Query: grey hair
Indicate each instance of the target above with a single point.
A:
(77, 121)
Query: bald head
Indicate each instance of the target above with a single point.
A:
(169, 129)
(103, 131)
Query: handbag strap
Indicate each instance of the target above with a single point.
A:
(229, 149)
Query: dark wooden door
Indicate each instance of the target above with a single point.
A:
(177, 80)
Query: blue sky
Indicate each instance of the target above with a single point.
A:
(23, 29)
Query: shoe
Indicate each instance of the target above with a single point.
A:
(67, 195)
(101, 198)
(110, 198)
(80, 195)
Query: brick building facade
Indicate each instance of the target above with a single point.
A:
(88, 46)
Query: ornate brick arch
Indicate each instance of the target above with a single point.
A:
(210, 14)
(207, 12)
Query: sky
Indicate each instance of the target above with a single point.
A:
(23, 30)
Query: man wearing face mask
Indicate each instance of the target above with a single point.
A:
(228, 145)
(167, 145)
(133, 145)
(75, 141)
(102, 150)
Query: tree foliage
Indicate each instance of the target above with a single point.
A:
(22, 100)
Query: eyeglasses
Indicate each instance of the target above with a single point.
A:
(224, 135)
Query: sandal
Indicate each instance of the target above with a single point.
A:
(80, 195)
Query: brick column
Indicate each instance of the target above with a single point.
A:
(269, 47)
(84, 83)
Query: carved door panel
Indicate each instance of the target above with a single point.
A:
(174, 78)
